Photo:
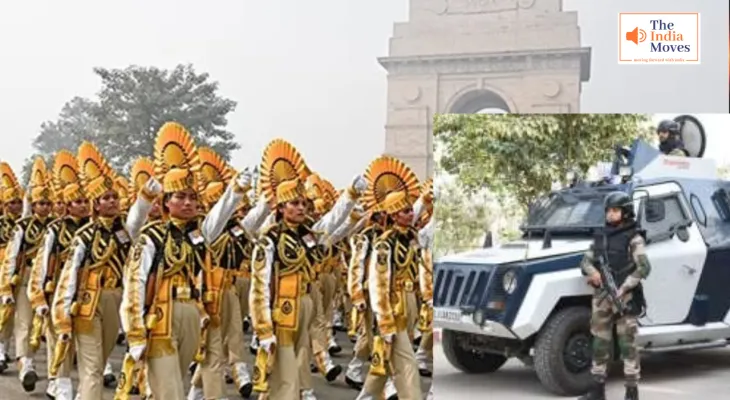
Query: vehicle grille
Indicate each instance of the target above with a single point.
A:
(461, 285)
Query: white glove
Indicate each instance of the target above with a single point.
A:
(360, 184)
(429, 303)
(204, 321)
(153, 187)
(359, 208)
(268, 344)
(136, 351)
(243, 180)
(65, 337)
(388, 338)
(41, 311)
(8, 300)
(361, 306)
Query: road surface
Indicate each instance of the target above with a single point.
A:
(698, 375)
(11, 389)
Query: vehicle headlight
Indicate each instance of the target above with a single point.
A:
(478, 317)
(509, 281)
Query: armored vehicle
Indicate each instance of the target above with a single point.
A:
(528, 299)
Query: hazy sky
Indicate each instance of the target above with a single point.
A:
(302, 70)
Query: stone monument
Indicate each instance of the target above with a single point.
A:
(465, 56)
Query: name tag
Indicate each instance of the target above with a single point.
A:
(123, 236)
(236, 231)
(309, 241)
(196, 237)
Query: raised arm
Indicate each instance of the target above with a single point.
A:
(216, 220)
(39, 271)
(254, 219)
(327, 225)
(66, 289)
(140, 210)
(131, 311)
(425, 270)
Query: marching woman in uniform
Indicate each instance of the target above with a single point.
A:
(12, 203)
(283, 272)
(228, 252)
(166, 286)
(47, 266)
(86, 302)
(392, 275)
(16, 264)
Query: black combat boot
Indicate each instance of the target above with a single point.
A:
(597, 391)
(632, 393)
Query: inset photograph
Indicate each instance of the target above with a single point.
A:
(582, 255)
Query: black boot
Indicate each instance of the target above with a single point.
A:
(596, 392)
(632, 393)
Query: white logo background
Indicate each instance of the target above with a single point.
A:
(686, 24)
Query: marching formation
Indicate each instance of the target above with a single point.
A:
(184, 256)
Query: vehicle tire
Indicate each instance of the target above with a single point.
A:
(563, 352)
(466, 360)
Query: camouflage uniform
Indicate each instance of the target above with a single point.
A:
(603, 316)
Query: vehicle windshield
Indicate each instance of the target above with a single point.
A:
(568, 210)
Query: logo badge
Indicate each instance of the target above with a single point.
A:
(659, 38)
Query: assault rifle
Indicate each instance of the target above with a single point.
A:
(609, 284)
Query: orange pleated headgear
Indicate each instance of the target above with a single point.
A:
(66, 177)
(11, 189)
(392, 186)
(97, 176)
(40, 182)
(176, 159)
(214, 176)
(283, 172)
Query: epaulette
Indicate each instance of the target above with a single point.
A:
(271, 230)
(55, 225)
(385, 236)
(155, 230)
(86, 229)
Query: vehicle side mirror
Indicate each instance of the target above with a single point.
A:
(683, 233)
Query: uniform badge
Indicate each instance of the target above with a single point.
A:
(309, 240)
(287, 308)
(196, 237)
(375, 360)
(236, 231)
(137, 255)
(86, 298)
(122, 236)
(256, 374)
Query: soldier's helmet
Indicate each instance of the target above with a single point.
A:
(668, 126)
(620, 200)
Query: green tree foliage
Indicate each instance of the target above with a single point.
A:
(521, 156)
(461, 219)
(131, 106)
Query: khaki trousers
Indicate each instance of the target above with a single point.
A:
(363, 346)
(95, 346)
(286, 378)
(23, 320)
(209, 373)
(243, 286)
(406, 377)
(232, 327)
(411, 313)
(426, 346)
(165, 373)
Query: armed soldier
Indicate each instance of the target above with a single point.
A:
(670, 143)
(16, 265)
(12, 203)
(47, 266)
(619, 252)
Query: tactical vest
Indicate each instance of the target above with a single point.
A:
(617, 250)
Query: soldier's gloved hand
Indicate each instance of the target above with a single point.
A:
(361, 306)
(268, 344)
(152, 188)
(204, 321)
(136, 351)
(359, 184)
(8, 300)
(243, 179)
(65, 337)
(42, 311)
(388, 338)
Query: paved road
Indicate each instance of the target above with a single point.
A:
(700, 375)
(11, 389)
